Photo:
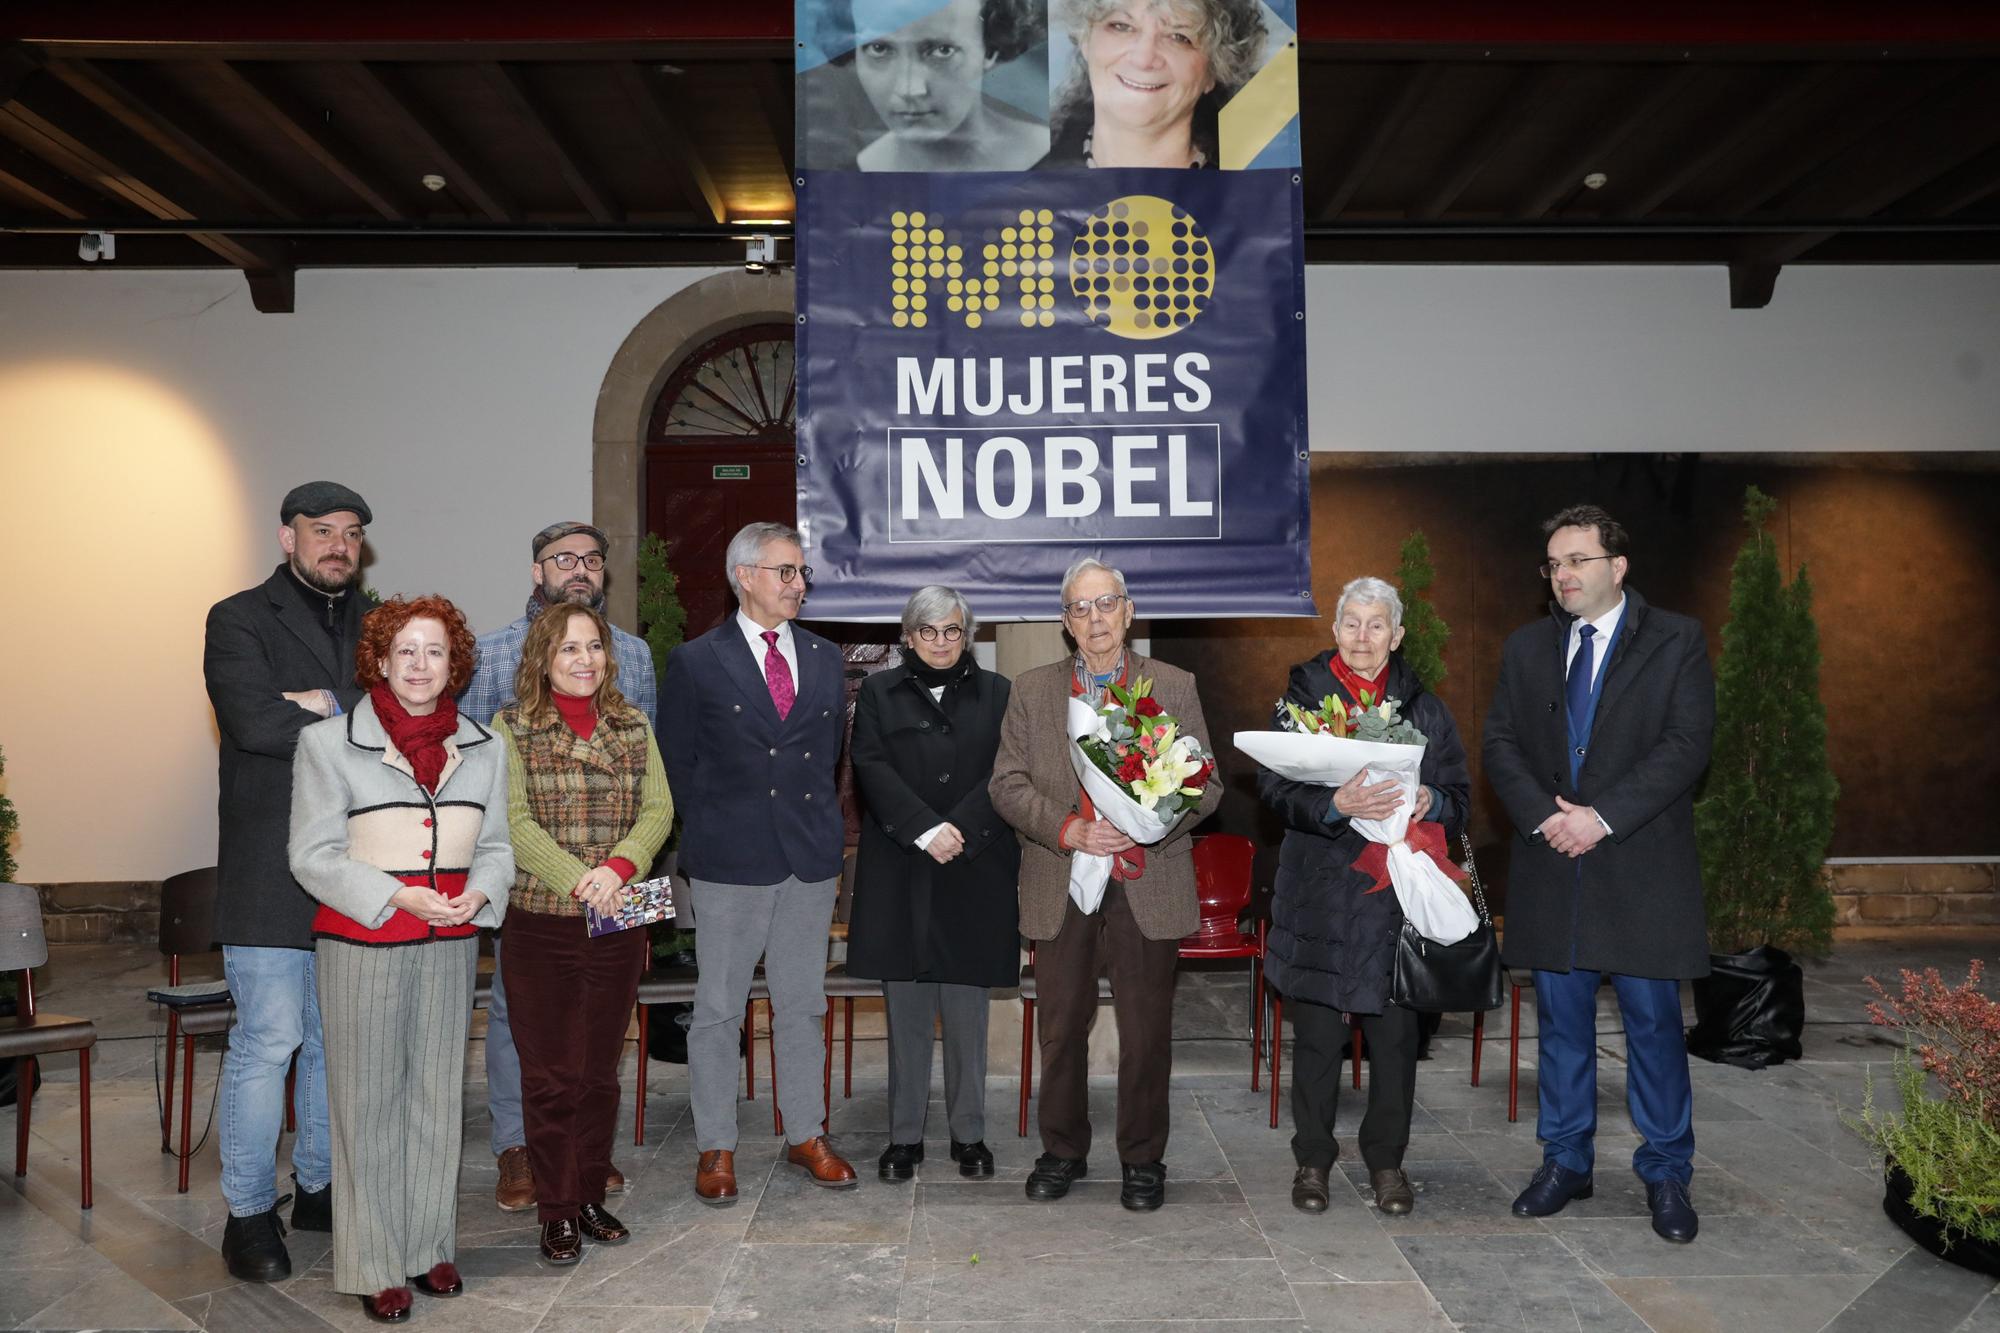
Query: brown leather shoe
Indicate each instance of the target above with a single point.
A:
(516, 1191)
(822, 1163)
(715, 1177)
(1392, 1190)
(615, 1182)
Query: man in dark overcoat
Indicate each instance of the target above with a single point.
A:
(750, 728)
(277, 658)
(1599, 731)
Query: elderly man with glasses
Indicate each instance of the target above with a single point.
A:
(1134, 933)
(568, 567)
(751, 732)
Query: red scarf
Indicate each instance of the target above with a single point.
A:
(420, 739)
(1130, 863)
(1355, 683)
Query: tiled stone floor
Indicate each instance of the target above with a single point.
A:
(1792, 1237)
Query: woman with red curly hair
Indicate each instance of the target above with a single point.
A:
(399, 829)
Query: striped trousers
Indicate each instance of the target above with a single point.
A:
(395, 1020)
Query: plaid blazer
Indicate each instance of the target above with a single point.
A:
(1035, 789)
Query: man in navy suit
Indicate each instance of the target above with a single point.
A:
(751, 716)
(1599, 731)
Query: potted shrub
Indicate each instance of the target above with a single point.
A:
(1941, 1157)
(1764, 819)
(663, 624)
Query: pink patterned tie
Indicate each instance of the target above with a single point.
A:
(777, 675)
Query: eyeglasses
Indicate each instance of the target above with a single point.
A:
(1570, 562)
(931, 633)
(569, 560)
(1080, 608)
(786, 573)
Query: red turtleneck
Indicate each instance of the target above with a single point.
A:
(579, 712)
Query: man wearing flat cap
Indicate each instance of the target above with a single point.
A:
(568, 568)
(277, 658)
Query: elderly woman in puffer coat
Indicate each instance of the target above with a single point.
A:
(1333, 932)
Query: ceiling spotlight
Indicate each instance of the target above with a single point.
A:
(433, 182)
(1596, 180)
(96, 245)
(760, 252)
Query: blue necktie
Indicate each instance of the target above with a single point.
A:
(1576, 691)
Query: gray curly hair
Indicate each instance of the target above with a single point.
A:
(1371, 591)
(1230, 33)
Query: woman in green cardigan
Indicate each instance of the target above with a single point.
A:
(588, 806)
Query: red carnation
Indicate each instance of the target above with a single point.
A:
(1147, 706)
(1132, 769)
(1201, 775)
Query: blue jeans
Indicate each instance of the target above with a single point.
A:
(277, 1013)
(503, 1069)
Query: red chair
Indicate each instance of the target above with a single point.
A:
(31, 1033)
(1222, 877)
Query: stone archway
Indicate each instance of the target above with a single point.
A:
(658, 343)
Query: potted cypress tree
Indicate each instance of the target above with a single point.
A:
(663, 624)
(1764, 819)
(1424, 630)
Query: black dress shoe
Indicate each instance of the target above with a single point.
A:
(974, 1159)
(1673, 1211)
(1053, 1176)
(1145, 1186)
(1309, 1191)
(442, 1280)
(312, 1210)
(1551, 1187)
(899, 1161)
(562, 1242)
(388, 1306)
(253, 1248)
(600, 1226)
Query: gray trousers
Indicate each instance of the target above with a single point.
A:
(396, 1020)
(914, 1008)
(785, 924)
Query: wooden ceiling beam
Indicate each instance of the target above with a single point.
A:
(1604, 139)
(666, 123)
(150, 121)
(777, 94)
(1530, 88)
(510, 81)
(1959, 188)
(262, 93)
(1330, 191)
(1764, 118)
(42, 185)
(388, 88)
(65, 152)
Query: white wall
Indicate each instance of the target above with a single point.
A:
(149, 423)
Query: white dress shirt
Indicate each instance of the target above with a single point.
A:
(753, 633)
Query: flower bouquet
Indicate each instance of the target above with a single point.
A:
(1328, 745)
(1138, 770)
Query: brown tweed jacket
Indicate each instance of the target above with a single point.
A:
(1034, 789)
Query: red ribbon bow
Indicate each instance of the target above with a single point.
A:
(1426, 837)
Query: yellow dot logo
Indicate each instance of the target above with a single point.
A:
(1143, 267)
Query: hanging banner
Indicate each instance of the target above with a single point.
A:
(1051, 303)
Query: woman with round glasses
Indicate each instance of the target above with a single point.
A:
(934, 884)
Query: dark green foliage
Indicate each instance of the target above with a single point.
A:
(10, 823)
(1424, 631)
(1765, 817)
(1950, 1152)
(662, 620)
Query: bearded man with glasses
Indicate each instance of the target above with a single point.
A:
(568, 567)
(1149, 904)
(1599, 731)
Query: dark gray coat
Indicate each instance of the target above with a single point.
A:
(259, 644)
(1332, 942)
(1631, 904)
(914, 919)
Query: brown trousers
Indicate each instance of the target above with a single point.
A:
(1142, 988)
(569, 998)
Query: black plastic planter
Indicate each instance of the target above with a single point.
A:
(1978, 1255)
(1750, 1010)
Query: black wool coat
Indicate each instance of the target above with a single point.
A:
(1632, 903)
(913, 919)
(1332, 942)
(261, 643)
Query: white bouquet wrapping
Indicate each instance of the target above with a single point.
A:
(1431, 900)
(1168, 771)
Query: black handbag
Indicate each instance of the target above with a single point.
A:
(1450, 978)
